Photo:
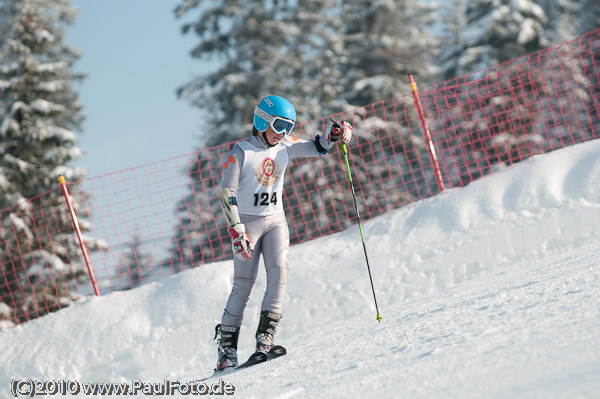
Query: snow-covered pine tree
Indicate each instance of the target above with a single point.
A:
(509, 101)
(561, 20)
(39, 112)
(384, 42)
(196, 239)
(588, 12)
(288, 48)
(494, 31)
(568, 19)
(136, 266)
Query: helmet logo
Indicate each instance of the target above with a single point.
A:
(269, 102)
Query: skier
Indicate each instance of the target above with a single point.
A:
(251, 198)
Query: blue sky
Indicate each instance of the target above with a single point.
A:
(135, 58)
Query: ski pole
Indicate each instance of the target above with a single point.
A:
(362, 236)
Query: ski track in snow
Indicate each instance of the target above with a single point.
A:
(491, 290)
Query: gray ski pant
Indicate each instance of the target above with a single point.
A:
(271, 238)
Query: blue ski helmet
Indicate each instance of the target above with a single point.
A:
(271, 107)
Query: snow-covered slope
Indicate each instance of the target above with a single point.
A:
(531, 331)
(491, 290)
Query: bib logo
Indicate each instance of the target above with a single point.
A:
(268, 172)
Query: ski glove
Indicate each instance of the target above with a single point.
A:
(241, 244)
(339, 130)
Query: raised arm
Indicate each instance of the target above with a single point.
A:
(321, 143)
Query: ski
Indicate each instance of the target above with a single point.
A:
(276, 351)
(257, 357)
(254, 359)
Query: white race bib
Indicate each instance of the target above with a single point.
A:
(260, 187)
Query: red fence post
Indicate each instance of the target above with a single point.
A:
(431, 147)
(61, 180)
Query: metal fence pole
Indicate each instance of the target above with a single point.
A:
(61, 180)
(431, 147)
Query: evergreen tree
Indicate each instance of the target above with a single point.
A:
(40, 109)
(39, 112)
(561, 22)
(384, 42)
(136, 267)
(568, 19)
(589, 16)
(288, 48)
(199, 240)
(511, 99)
(494, 31)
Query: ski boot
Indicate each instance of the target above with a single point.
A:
(227, 350)
(266, 330)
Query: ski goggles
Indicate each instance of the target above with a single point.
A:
(278, 124)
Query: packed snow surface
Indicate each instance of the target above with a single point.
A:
(487, 291)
